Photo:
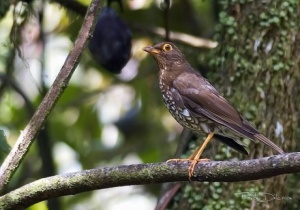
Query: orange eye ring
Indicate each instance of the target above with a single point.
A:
(167, 47)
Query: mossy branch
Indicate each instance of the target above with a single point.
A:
(152, 173)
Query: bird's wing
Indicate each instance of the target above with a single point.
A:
(201, 98)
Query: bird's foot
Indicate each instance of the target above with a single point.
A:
(193, 165)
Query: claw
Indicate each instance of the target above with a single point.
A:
(193, 165)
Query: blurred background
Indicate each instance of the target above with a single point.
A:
(109, 115)
(112, 111)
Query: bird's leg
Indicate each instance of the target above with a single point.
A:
(195, 157)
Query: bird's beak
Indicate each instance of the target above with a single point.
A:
(151, 50)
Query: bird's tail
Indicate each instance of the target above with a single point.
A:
(265, 140)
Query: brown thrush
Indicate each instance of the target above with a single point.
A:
(197, 105)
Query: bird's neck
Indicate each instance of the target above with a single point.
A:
(168, 73)
(166, 79)
(162, 79)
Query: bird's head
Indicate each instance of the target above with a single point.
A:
(166, 54)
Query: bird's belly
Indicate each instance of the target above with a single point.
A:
(199, 124)
(184, 118)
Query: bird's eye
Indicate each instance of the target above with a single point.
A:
(167, 47)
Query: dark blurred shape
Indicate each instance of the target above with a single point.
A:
(165, 4)
(28, 1)
(119, 3)
(110, 45)
(4, 7)
(128, 123)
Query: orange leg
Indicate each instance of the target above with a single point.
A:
(195, 157)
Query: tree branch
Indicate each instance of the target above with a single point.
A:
(152, 173)
(9, 81)
(30, 132)
(175, 36)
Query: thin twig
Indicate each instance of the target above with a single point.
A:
(9, 81)
(166, 18)
(174, 36)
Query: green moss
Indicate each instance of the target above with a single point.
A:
(276, 16)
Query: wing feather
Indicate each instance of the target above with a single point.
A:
(202, 98)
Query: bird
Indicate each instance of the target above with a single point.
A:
(197, 105)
